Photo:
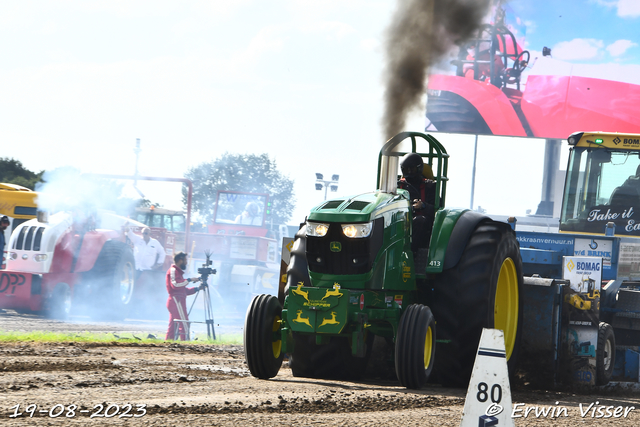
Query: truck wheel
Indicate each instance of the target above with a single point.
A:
(482, 291)
(262, 341)
(112, 281)
(605, 354)
(415, 346)
(59, 305)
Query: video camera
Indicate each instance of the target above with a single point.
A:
(205, 271)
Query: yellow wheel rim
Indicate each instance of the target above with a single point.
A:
(276, 345)
(427, 347)
(506, 308)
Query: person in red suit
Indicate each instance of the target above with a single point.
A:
(178, 291)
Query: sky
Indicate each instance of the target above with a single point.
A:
(298, 79)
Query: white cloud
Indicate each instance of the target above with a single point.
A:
(628, 8)
(269, 39)
(619, 47)
(332, 30)
(370, 44)
(577, 49)
(530, 25)
(122, 8)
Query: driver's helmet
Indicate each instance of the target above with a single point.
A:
(411, 165)
(252, 208)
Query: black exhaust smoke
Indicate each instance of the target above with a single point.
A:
(420, 34)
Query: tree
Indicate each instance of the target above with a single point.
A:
(251, 173)
(13, 172)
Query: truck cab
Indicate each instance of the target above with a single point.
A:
(582, 282)
(602, 190)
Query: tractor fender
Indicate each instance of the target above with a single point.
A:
(465, 225)
(451, 231)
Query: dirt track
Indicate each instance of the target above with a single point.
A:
(210, 385)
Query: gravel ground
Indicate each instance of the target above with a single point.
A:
(177, 384)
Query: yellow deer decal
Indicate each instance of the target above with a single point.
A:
(304, 320)
(331, 321)
(335, 292)
(298, 291)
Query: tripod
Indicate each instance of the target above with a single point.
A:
(208, 311)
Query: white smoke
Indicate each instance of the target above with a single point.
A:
(66, 189)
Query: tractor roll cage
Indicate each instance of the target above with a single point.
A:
(388, 160)
(498, 36)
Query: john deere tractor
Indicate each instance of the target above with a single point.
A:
(352, 275)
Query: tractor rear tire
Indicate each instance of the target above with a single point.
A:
(262, 341)
(111, 281)
(415, 346)
(605, 354)
(482, 291)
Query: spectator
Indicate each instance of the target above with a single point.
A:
(148, 252)
(4, 223)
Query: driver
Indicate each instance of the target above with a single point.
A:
(422, 192)
(250, 215)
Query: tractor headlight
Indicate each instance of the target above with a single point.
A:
(356, 231)
(317, 229)
(40, 257)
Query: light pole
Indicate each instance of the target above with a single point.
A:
(333, 183)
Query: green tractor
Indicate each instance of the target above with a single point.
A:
(352, 275)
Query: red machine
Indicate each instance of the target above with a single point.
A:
(488, 95)
(75, 256)
(239, 242)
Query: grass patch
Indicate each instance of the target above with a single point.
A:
(103, 337)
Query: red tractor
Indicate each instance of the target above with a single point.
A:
(490, 95)
(69, 256)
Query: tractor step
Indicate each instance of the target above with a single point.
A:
(420, 260)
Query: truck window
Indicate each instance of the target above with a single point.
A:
(156, 221)
(238, 208)
(168, 223)
(142, 217)
(178, 223)
(602, 186)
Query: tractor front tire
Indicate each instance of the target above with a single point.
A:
(415, 346)
(605, 354)
(262, 341)
(298, 268)
(482, 291)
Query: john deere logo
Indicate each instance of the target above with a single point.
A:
(570, 265)
(617, 140)
(335, 246)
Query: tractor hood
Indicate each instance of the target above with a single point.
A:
(362, 208)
